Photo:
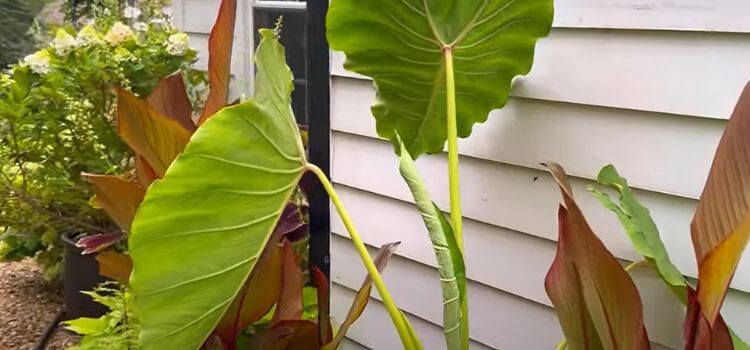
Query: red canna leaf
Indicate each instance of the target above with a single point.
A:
(98, 242)
(144, 173)
(170, 99)
(320, 282)
(219, 59)
(597, 304)
(151, 135)
(119, 197)
(698, 334)
(290, 305)
(721, 226)
(257, 296)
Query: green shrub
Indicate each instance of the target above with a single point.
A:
(57, 121)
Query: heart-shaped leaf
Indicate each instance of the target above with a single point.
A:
(201, 229)
(402, 45)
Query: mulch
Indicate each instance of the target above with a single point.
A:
(27, 307)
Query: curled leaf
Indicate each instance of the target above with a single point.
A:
(219, 59)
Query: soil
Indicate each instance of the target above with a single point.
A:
(27, 306)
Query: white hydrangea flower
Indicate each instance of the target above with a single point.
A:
(167, 11)
(118, 34)
(64, 43)
(38, 62)
(131, 12)
(178, 44)
(88, 36)
(140, 26)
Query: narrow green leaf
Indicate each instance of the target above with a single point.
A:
(449, 258)
(401, 44)
(199, 232)
(637, 221)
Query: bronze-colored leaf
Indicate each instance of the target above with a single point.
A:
(115, 265)
(170, 99)
(118, 197)
(151, 135)
(363, 295)
(597, 304)
(219, 59)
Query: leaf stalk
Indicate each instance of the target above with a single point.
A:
(390, 305)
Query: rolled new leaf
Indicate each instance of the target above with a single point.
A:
(596, 302)
(449, 258)
(721, 226)
(201, 229)
(402, 44)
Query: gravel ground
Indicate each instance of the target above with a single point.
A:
(27, 306)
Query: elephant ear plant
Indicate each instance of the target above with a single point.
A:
(439, 67)
(596, 301)
(204, 242)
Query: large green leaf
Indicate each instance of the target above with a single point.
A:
(200, 230)
(637, 221)
(450, 260)
(402, 45)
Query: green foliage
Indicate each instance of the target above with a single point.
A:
(57, 120)
(244, 185)
(15, 36)
(448, 254)
(637, 222)
(118, 329)
(402, 45)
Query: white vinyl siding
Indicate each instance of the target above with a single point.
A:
(646, 85)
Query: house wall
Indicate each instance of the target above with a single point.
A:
(646, 85)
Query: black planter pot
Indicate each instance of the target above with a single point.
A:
(80, 273)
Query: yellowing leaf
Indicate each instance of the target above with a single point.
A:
(219, 59)
(721, 225)
(597, 304)
(151, 135)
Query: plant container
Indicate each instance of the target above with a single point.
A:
(80, 273)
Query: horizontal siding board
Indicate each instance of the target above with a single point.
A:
(497, 319)
(685, 73)
(690, 15)
(495, 253)
(648, 148)
(509, 261)
(516, 198)
(694, 15)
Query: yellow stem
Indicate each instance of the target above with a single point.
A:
(390, 305)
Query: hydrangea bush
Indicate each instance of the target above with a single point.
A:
(56, 121)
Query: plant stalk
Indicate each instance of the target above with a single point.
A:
(454, 183)
(390, 305)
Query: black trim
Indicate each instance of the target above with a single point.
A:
(318, 114)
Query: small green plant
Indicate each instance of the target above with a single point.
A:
(118, 329)
(596, 301)
(56, 121)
